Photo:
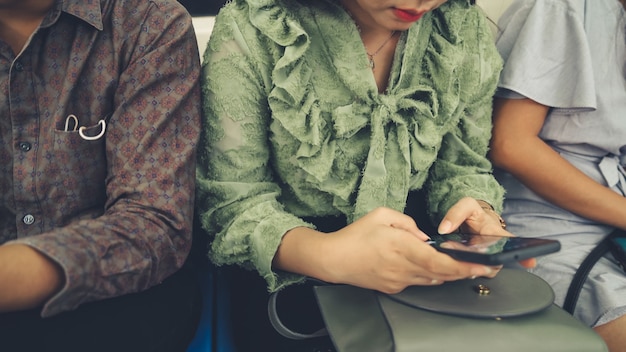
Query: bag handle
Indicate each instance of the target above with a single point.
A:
(585, 267)
(281, 328)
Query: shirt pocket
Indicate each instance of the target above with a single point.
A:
(79, 166)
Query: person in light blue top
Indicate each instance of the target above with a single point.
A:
(559, 143)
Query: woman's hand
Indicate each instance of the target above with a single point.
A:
(468, 215)
(384, 250)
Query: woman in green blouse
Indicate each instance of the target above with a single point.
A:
(334, 111)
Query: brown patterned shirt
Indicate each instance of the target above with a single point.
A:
(99, 122)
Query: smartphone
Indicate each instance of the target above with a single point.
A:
(492, 250)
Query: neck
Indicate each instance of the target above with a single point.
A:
(14, 10)
(362, 19)
(20, 18)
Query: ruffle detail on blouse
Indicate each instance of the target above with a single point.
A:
(289, 72)
(400, 146)
(444, 58)
(406, 124)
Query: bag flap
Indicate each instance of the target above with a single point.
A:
(361, 320)
(550, 330)
(513, 292)
(354, 319)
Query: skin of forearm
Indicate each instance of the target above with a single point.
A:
(555, 179)
(544, 171)
(299, 253)
(27, 278)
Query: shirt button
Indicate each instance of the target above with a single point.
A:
(28, 219)
(25, 146)
(19, 67)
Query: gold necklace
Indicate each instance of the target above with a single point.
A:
(370, 57)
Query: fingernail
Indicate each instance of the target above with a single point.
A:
(473, 277)
(445, 226)
(434, 282)
(423, 236)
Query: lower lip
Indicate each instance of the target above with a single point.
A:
(407, 16)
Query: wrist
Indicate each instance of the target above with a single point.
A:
(487, 208)
(300, 252)
(32, 276)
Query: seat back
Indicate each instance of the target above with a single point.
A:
(494, 9)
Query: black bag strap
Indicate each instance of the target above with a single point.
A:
(281, 327)
(580, 277)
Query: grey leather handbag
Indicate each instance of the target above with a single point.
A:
(512, 312)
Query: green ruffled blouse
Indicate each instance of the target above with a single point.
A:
(295, 125)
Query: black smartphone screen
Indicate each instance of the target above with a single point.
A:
(493, 250)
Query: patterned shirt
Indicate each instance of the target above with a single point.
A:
(98, 130)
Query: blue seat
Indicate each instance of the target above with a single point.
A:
(214, 330)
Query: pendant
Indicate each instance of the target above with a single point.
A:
(371, 61)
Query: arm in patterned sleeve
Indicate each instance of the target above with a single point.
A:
(143, 232)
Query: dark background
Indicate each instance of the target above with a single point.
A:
(203, 7)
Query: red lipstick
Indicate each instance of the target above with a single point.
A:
(408, 15)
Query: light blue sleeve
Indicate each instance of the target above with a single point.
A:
(547, 57)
